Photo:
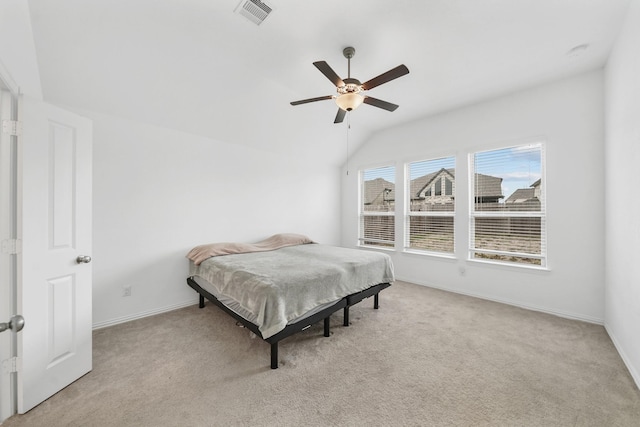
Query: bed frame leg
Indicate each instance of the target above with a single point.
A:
(274, 355)
(201, 305)
(327, 321)
(375, 302)
(346, 316)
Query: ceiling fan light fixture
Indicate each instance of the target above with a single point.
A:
(349, 101)
(349, 90)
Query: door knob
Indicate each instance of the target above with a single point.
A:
(83, 259)
(16, 323)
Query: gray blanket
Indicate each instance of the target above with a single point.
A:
(282, 285)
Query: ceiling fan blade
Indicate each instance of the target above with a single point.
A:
(380, 103)
(394, 73)
(340, 116)
(305, 101)
(329, 73)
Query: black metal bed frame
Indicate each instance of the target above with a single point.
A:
(301, 325)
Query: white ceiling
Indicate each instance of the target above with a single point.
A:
(196, 66)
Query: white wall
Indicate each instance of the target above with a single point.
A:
(159, 192)
(568, 116)
(622, 309)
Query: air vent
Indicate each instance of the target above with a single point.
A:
(254, 10)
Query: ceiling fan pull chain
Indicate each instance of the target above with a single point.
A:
(348, 130)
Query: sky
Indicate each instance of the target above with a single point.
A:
(519, 167)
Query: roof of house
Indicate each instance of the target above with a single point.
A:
(418, 184)
(521, 194)
(488, 186)
(374, 191)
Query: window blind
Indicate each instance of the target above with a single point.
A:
(431, 205)
(377, 207)
(508, 210)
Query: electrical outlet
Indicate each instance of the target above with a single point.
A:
(126, 291)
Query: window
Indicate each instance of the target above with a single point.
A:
(377, 207)
(431, 205)
(508, 207)
(448, 187)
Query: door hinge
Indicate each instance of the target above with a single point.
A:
(11, 365)
(12, 246)
(12, 127)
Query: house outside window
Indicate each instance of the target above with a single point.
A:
(508, 209)
(377, 207)
(429, 222)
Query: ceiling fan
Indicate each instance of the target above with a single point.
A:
(350, 90)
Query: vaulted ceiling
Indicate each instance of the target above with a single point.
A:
(199, 67)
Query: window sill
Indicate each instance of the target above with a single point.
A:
(429, 254)
(509, 265)
(376, 248)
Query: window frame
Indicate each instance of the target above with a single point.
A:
(542, 214)
(362, 213)
(431, 192)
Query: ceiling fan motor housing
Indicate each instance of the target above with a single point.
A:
(350, 86)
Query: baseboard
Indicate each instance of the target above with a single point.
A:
(625, 359)
(123, 319)
(566, 315)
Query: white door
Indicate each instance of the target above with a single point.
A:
(7, 182)
(54, 294)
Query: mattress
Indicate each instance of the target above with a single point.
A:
(275, 288)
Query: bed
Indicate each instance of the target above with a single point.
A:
(286, 283)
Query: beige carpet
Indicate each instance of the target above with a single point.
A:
(426, 358)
